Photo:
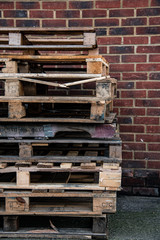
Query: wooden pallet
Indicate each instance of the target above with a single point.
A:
(64, 39)
(57, 108)
(57, 203)
(55, 228)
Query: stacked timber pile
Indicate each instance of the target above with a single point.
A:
(60, 154)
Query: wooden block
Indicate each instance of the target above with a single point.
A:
(13, 88)
(3, 165)
(17, 204)
(25, 150)
(66, 165)
(11, 67)
(115, 151)
(23, 164)
(10, 223)
(45, 165)
(89, 39)
(91, 153)
(103, 89)
(94, 67)
(110, 179)
(16, 110)
(23, 178)
(15, 39)
(104, 205)
(114, 166)
(72, 153)
(88, 165)
(98, 111)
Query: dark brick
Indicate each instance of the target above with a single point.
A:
(148, 138)
(127, 173)
(27, 23)
(127, 155)
(145, 191)
(54, 23)
(154, 76)
(148, 30)
(54, 5)
(93, 13)
(132, 128)
(154, 94)
(146, 173)
(126, 137)
(153, 147)
(102, 50)
(132, 111)
(153, 182)
(124, 120)
(133, 164)
(67, 14)
(106, 22)
(135, 3)
(121, 49)
(121, 31)
(133, 181)
(147, 103)
(41, 14)
(15, 13)
(101, 32)
(80, 4)
(6, 5)
(108, 4)
(147, 155)
(27, 5)
(134, 21)
(154, 164)
(133, 94)
(80, 23)
(134, 146)
(6, 23)
(121, 13)
(155, 3)
(148, 12)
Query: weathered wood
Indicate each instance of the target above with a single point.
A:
(11, 67)
(13, 88)
(25, 150)
(16, 204)
(98, 111)
(104, 205)
(44, 165)
(66, 165)
(115, 151)
(110, 178)
(99, 225)
(3, 165)
(42, 82)
(16, 110)
(23, 164)
(88, 165)
(84, 81)
(23, 179)
(15, 39)
(10, 223)
(89, 39)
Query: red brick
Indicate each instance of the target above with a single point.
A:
(109, 40)
(123, 103)
(125, 85)
(127, 173)
(127, 137)
(154, 94)
(153, 129)
(134, 146)
(6, 23)
(148, 67)
(146, 120)
(116, 110)
(6, 5)
(155, 3)
(121, 49)
(106, 22)
(154, 58)
(121, 31)
(154, 164)
(133, 164)
(102, 50)
(54, 5)
(94, 14)
(68, 14)
(148, 11)
(148, 138)
(154, 21)
(148, 85)
(108, 4)
(147, 30)
(153, 112)
(41, 14)
(154, 76)
(80, 4)
(132, 128)
(135, 40)
(116, 75)
(27, 5)
(15, 13)
(132, 111)
(134, 58)
(146, 191)
(121, 67)
(148, 49)
(133, 94)
(112, 59)
(134, 76)
(147, 155)
(134, 21)
(147, 103)
(135, 3)
(133, 182)
(155, 39)
(121, 13)
(127, 155)
(153, 147)
(80, 23)
(54, 23)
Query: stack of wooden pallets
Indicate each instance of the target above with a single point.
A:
(59, 155)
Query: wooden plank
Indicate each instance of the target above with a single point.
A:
(111, 166)
(42, 82)
(44, 165)
(88, 165)
(84, 81)
(23, 179)
(46, 47)
(23, 164)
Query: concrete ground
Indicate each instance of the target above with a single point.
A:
(137, 218)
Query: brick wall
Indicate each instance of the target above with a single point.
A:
(128, 36)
